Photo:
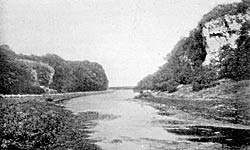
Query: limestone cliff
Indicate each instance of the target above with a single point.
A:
(222, 31)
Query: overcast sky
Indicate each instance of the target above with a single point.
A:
(129, 38)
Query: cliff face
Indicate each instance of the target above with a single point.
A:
(31, 74)
(222, 31)
(219, 47)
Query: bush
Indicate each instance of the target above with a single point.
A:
(39, 125)
(170, 86)
(34, 90)
(234, 62)
(204, 79)
(196, 86)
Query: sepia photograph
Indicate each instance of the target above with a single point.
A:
(125, 74)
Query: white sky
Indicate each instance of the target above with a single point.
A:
(129, 38)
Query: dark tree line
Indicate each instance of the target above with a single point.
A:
(27, 74)
(235, 62)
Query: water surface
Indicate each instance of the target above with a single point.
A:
(134, 126)
(129, 124)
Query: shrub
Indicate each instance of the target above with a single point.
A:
(196, 86)
(35, 90)
(39, 125)
(204, 79)
(234, 62)
(170, 86)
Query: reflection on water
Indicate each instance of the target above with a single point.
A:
(228, 137)
(126, 124)
(133, 126)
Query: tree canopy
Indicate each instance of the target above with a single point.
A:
(21, 74)
(184, 63)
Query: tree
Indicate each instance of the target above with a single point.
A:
(21, 74)
(85, 76)
(15, 77)
(145, 84)
(196, 47)
(235, 62)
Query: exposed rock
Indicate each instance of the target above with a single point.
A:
(222, 31)
(48, 90)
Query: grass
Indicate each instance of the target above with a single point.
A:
(42, 125)
(229, 102)
(229, 110)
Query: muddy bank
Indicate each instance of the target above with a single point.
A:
(206, 121)
(228, 137)
(235, 111)
(219, 114)
(229, 101)
(59, 97)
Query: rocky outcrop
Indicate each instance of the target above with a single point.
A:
(218, 47)
(222, 31)
(31, 74)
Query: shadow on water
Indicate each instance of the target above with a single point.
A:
(228, 137)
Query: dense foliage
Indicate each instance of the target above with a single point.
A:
(15, 77)
(40, 125)
(27, 74)
(234, 62)
(42, 73)
(228, 9)
(184, 63)
(181, 66)
(85, 76)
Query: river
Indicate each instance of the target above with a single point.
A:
(132, 125)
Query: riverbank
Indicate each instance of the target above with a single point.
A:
(224, 89)
(33, 122)
(228, 102)
(201, 122)
(219, 114)
(59, 97)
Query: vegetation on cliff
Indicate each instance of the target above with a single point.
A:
(30, 74)
(184, 64)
